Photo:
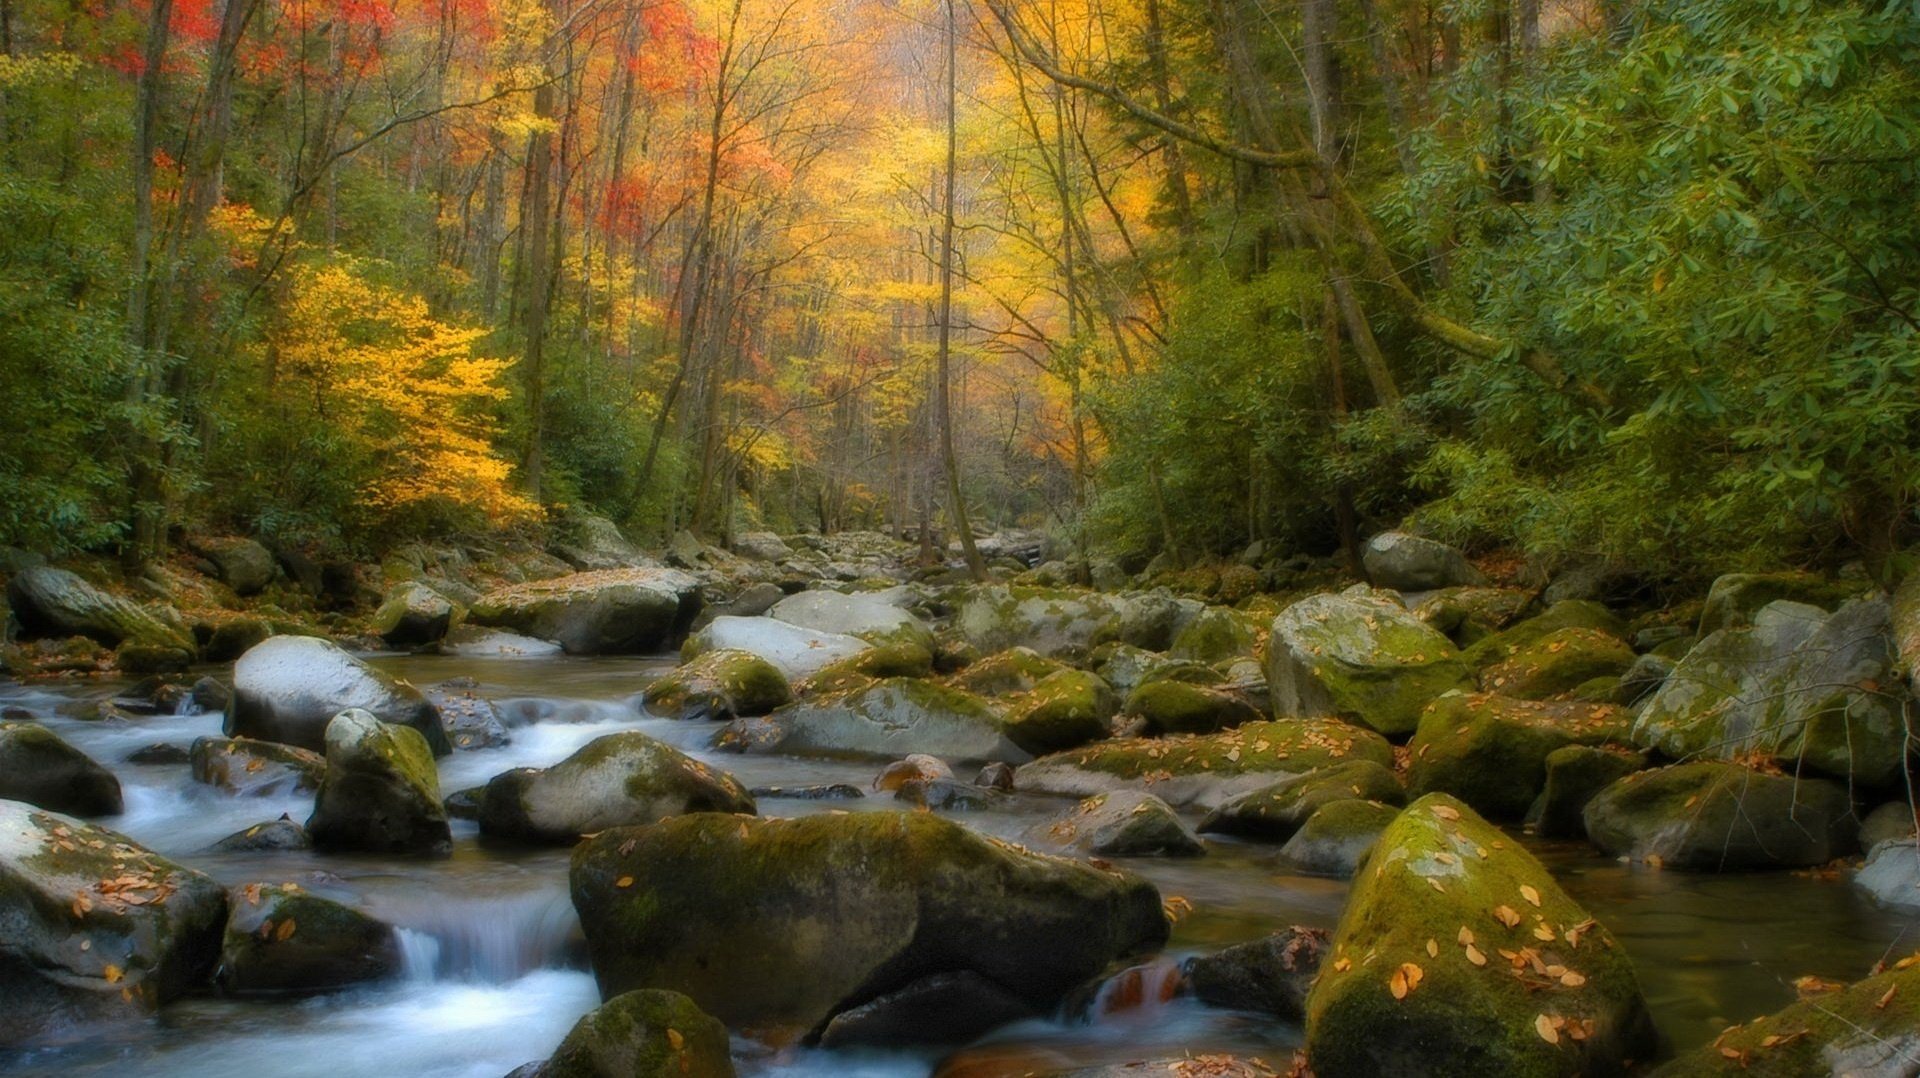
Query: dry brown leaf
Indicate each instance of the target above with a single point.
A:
(1446, 812)
(1474, 956)
(111, 974)
(1572, 979)
(1532, 896)
(1543, 1025)
(624, 882)
(1433, 949)
(674, 1038)
(1506, 915)
(285, 931)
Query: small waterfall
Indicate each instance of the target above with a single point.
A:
(1138, 994)
(492, 940)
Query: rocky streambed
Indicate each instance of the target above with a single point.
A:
(979, 831)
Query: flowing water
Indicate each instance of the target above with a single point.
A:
(496, 974)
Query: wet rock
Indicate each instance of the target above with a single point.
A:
(791, 922)
(210, 694)
(160, 752)
(1720, 817)
(1891, 875)
(1337, 838)
(1178, 707)
(1644, 678)
(381, 793)
(413, 615)
(947, 795)
(464, 804)
(1558, 663)
(874, 617)
(1277, 811)
(272, 836)
(1267, 976)
(1205, 770)
(284, 941)
(1798, 686)
(1870, 1029)
(1411, 563)
(1734, 600)
(240, 564)
(946, 1008)
(1015, 670)
(97, 926)
(289, 688)
(1575, 775)
(616, 780)
(1890, 822)
(1491, 752)
(607, 612)
(796, 652)
(873, 664)
(641, 1034)
(1566, 614)
(1361, 657)
(1416, 982)
(833, 791)
(1124, 666)
(918, 767)
(1124, 823)
(886, 719)
(243, 766)
(1217, 634)
(38, 767)
(137, 658)
(1064, 709)
(49, 602)
(995, 776)
(1054, 621)
(474, 642)
(720, 685)
(230, 638)
(471, 720)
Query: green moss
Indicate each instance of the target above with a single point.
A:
(1277, 811)
(1809, 1037)
(1175, 707)
(647, 1033)
(1294, 745)
(1566, 614)
(1010, 671)
(723, 684)
(1218, 633)
(1556, 663)
(1065, 709)
(1491, 751)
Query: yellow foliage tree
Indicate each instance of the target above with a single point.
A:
(402, 386)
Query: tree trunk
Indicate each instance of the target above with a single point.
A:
(957, 503)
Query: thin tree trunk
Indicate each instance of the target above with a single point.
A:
(957, 503)
(147, 514)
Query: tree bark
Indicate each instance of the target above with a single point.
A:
(957, 502)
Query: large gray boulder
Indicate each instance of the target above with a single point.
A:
(281, 940)
(381, 793)
(240, 563)
(1360, 656)
(875, 617)
(1411, 563)
(288, 688)
(414, 614)
(38, 767)
(1721, 817)
(1124, 823)
(49, 602)
(613, 781)
(1734, 600)
(93, 925)
(887, 719)
(795, 651)
(1891, 875)
(788, 923)
(241, 765)
(1809, 690)
(1056, 621)
(725, 685)
(607, 612)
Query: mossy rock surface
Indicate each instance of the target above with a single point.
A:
(242, 765)
(96, 925)
(798, 652)
(1405, 562)
(1065, 709)
(381, 791)
(1178, 707)
(1217, 633)
(1124, 823)
(1470, 614)
(1575, 775)
(1565, 614)
(414, 614)
(49, 602)
(1459, 954)
(1276, 812)
(1271, 975)
(616, 780)
(1124, 666)
(1870, 1027)
(1015, 670)
(604, 612)
(646, 1033)
(274, 835)
(1558, 663)
(1491, 751)
(1735, 599)
(1205, 769)
(1337, 838)
(1721, 817)
(873, 664)
(1358, 656)
(786, 923)
(723, 685)
(37, 766)
(887, 719)
(282, 940)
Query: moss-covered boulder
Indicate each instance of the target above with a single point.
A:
(1734, 600)
(1270, 975)
(1065, 709)
(95, 925)
(1177, 707)
(1458, 954)
(1337, 838)
(797, 652)
(1279, 810)
(724, 685)
(873, 664)
(1575, 775)
(1059, 621)
(282, 940)
(941, 1009)
(381, 792)
(1005, 673)
(1124, 823)
(1721, 817)
(1205, 769)
(1470, 615)
(612, 781)
(1217, 634)
(640, 1034)
(876, 617)
(1803, 688)
(889, 719)
(414, 614)
(1491, 752)
(1558, 663)
(1124, 666)
(1565, 614)
(1406, 562)
(243, 766)
(1869, 1028)
(472, 720)
(270, 837)
(787, 923)
(39, 767)
(288, 688)
(605, 612)
(1359, 656)
(55, 603)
